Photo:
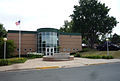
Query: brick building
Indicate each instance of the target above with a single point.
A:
(46, 40)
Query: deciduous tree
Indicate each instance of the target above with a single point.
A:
(66, 27)
(3, 32)
(91, 19)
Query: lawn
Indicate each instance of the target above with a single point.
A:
(115, 54)
(15, 60)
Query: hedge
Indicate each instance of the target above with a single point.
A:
(32, 56)
(97, 56)
(4, 62)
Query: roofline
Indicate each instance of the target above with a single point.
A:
(63, 33)
(43, 30)
(47, 30)
(17, 31)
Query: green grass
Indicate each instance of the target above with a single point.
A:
(115, 54)
(15, 60)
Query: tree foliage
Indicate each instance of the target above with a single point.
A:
(3, 32)
(9, 44)
(115, 39)
(91, 19)
(67, 27)
(9, 48)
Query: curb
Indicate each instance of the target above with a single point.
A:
(49, 67)
(96, 64)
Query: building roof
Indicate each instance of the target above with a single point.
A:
(17, 31)
(63, 33)
(47, 30)
(43, 30)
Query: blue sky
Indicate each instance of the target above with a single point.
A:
(36, 14)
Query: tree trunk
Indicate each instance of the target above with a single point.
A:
(91, 41)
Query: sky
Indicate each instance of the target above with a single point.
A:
(35, 14)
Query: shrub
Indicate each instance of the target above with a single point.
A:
(10, 46)
(34, 53)
(31, 56)
(12, 61)
(17, 60)
(107, 57)
(77, 54)
(97, 56)
(4, 62)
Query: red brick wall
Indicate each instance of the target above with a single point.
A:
(70, 43)
(28, 41)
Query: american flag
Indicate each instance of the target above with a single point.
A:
(17, 23)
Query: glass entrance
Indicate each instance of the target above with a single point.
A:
(49, 51)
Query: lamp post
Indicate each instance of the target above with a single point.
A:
(5, 39)
(107, 47)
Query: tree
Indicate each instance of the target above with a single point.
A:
(10, 43)
(3, 32)
(10, 46)
(66, 27)
(91, 19)
(115, 39)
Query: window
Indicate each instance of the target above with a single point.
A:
(47, 39)
(64, 49)
(25, 49)
(17, 49)
(51, 50)
(68, 49)
(30, 49)
(55, 49)
(73, 49)
(51, 53)
(47, 50)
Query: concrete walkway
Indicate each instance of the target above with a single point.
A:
(38, 63)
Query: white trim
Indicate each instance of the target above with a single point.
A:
(49, 52)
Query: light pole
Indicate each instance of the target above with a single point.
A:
(5, 39)
(107, 47)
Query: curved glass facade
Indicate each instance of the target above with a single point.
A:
(47, 39)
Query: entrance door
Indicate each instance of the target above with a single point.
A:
(49, 51)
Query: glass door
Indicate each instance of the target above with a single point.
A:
(49, 51)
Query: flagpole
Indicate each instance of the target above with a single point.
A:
(19, 41)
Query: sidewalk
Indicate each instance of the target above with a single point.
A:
(39, 64)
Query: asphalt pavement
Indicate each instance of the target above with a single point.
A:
(103, 72)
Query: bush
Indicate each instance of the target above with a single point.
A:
(17, 60)
(31, 56)
(10, 46)
(12, 61)
(97, 56)
(77, 54)
(4, 62)
(107, 57)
